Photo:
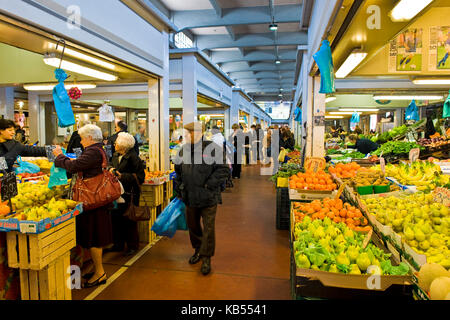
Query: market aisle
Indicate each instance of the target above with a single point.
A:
(251, 261)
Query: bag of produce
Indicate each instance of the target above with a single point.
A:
(58, 177)
(26, 167)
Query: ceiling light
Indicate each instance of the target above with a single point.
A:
(21, 104)
(359, 109)
(405, 10)
(342, 112)
(50, 86)
(352, 61)
(53, 61)
(277, 61)
(329, 99)
(273, 27)
(334, 117)
(408, 97)
(84, 57)
(431, 81)
(281, 89)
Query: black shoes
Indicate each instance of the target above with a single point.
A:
(195, 258)
(95, 283)
(206, 265)
(130, 252)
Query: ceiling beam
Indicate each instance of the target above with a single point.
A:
(266, 81)
(257, 55)
(260, 66)
(216, 7)
(235, 16)
(262, 74)
(306, 14)
(251, 40)
(270, 98)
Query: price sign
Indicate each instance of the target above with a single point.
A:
(414, 154)
(411, 137)
(9, 186)
(77, 151)
(383, 165)
(315, 164)
(108, 150)
(49, 150)
(3, 164)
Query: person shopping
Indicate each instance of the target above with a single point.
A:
(198, 185)
(130, 170)
(93, 227)
(364, 146)
(238, 140)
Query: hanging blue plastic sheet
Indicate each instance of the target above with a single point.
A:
(298, 114)
(62, 101)
(354, 120)
(446, 111)
(167, 222)
(26, 167)
(324, 60)
(412, 112)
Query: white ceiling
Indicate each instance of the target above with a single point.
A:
(181, 5)
(209, 31)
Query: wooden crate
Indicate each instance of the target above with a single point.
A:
(35, 251)
(168, 189)
(151, 196)
(50, 283)
(146, 235)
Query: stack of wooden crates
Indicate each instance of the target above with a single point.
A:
(157, 198)
(43, 261)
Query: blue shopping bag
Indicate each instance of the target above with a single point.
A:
(166, 224)
(324, 60)
(181, 221)
(26, 167)
(62, 101)
(412, 112)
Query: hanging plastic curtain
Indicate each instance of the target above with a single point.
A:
(298, 114)
(61, 99)
(354, 120)
(324, 60)
(446, 113)
(412, 112)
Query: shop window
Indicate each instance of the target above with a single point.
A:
(183, 41)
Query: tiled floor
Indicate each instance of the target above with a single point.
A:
(251, 260)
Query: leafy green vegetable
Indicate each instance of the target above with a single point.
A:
(396, 147)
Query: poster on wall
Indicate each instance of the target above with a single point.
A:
(405, 52)
(439, 48)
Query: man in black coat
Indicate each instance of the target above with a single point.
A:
(364, 146)
(199, 176)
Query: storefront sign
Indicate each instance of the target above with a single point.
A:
(9, 186)
(414, 155)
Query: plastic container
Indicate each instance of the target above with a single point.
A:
(382, 189)
(364, 190)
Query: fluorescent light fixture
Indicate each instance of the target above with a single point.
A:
(277, 61)
(50, 86)
(411, 97)
(334, 117)
(281, 89)
(342, 113)
(280, 95)
(431, 81)
(405, 10)
(329, 99)
(21, 103)
(53, 61)
(359, 109)
(273, 27)
(84, 57)
(352, 61)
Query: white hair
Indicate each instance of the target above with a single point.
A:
(91, 130)
(125, 140)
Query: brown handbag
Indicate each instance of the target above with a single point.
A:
(97, 191)
(137, 213)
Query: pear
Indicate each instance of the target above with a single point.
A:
(333, 268)
(363, 261)
(424, 245)
(419, 235)
(409, 233)
(342, 259)
(354, 269)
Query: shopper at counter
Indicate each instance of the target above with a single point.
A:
(287, 140)
(198, 185)
(238, 141)
(130, 170)
(362, 145)
(94, 230)
(10, 148)
(120, 127)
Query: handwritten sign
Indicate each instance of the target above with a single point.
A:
(383, 165)
(49, 151)
(315, 164)
(9, 186)
(77, 152)
(414, 155)
(442, 195)
(3, 164)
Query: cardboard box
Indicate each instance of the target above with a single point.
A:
(295, 194)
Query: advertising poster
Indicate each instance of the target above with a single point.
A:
(439, 48)
(406, 51)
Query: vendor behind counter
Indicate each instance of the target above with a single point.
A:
(362, 145)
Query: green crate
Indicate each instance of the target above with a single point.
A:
(365, 190)
(382, 189)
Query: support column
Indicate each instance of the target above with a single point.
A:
(153, 125)
(307, 115)
(164, 108)
(7, 103)
(189, 89)
(34, 118)
(234, 110)
(318, 139)
(398, 117)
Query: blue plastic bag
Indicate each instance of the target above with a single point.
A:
(324, 61)
(166, 224)
(26, 167)
(412, 112)
(298, 114)
(58, 177)
(62, 101)
(446, 109)
(181, 221)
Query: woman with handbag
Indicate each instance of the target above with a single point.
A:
(97, 189)
(130, 170)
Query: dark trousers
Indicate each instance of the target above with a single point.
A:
(237, 166)
(204, 239)
(124, 229)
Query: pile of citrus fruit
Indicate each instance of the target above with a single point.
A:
(319, 181)
(347, 170)
(335, 209)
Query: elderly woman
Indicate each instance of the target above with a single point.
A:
(130, 170)
(94, 230)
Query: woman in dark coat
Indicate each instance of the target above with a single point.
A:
(94, 230)
(130, 170)
(238, 139)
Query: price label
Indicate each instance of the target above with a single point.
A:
(77, 151)
(49, 150)
(9, 186)
(414, 154)
(3, 164)
(315, 164)
(383, 165)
